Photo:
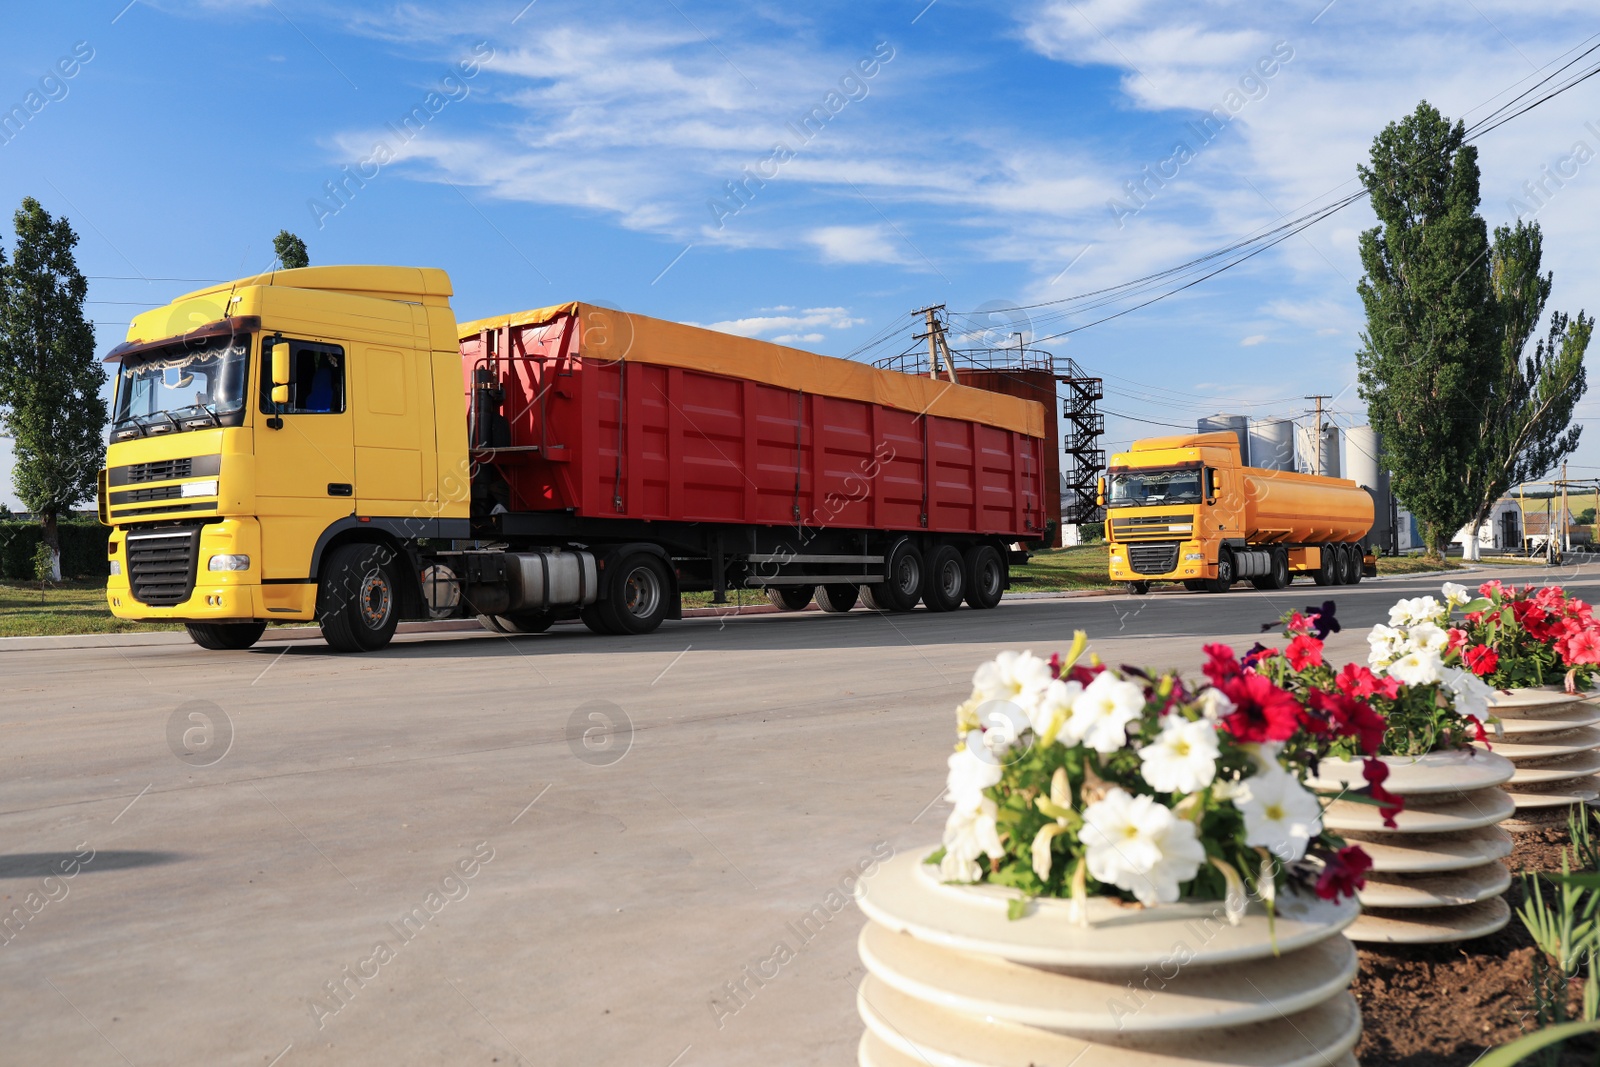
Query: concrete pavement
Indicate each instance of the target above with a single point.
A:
(559, 849)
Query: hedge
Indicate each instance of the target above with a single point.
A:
(83, 549)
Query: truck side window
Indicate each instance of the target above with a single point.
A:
(316, 380)
(1211, 483)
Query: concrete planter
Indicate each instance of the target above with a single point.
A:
(1553, 738)
(952, 981)
(1437, 876)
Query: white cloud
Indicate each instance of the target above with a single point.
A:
(1253, 340)
(833, 318)
(857, 244)
(794, 338)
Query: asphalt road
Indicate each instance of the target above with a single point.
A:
(285, 856)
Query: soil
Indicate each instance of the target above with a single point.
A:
(1443, 1005)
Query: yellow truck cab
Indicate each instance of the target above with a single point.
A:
(1185, 509)
(267, 431)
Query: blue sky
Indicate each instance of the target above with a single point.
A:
(584, 149)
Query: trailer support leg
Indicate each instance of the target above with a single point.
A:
(719, 571)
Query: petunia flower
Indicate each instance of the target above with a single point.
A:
(1323, 620)
(1279, 814)
(1262, 711)
(1182, 758)
(1376, 772)
(1304, 651)
(1344, 873)
(1136, 844)
(1102, 712)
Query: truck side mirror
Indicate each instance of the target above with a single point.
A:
(1100, 492)
(1211, 486)
(280, 372)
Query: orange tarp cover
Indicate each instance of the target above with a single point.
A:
(609, 335)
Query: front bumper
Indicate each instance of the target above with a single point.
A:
(1190, 563)
(213, 596)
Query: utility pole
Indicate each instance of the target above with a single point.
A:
(1566, 529)
(1317, 429)
(936, 342)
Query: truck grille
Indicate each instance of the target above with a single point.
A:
(1154, 558)
(159, 471)
(1141, 526)
(161, 564)
(154, 492)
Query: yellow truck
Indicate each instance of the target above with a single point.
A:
(1185, 509)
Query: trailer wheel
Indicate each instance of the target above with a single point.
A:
(1331, 570)
(1358, 564)
(790, 597)
(986, 576)
(225, 636)
(358, 599)
(1224, 579)
(901, 587)
(636, 600)
(837, 598)
(947, 580)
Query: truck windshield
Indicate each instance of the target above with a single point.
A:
(1135, 488)
(183, 387)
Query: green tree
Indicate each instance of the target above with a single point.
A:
(50, 381)
(1524, 421)
(291, 251)
(1431, 314)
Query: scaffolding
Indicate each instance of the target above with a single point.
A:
(1080, 435)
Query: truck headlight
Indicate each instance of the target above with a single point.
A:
(200, 488)
(1195, 557)
(116, 566)
(228, 563)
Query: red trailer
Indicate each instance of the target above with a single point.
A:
(734, 461)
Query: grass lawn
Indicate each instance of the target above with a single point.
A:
(1078, 567)
(68, 608)
(1415, 565)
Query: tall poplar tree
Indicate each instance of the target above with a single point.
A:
(290, 250)
(1431, 314)
(50, 381)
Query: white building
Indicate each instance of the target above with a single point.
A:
(1501, 531)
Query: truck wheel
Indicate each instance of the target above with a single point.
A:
(1358, 565)
(1195, 585)
(901, 587)
(790, 597)
(358, 599)
(1280, 577)
(520, 622)
(1139, 588)
(986, 576)
(1224, 579)
(1331, 571)
(947, 580)
(225, 636)
(595, 621)
(837, 598)
(636, 600)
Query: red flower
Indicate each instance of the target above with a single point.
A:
(1304, 651)
(1356, 681)
(1455, 639)
(1262, 711)
(1481, 660)
(1489, 589)
(1221, 664)
(1376, 772)
(1344, 873)
(1352, 718)
(1582, 647)
(1298, 624)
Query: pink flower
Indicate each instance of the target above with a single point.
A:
(1582, 647)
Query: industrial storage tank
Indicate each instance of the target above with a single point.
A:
(1237, 425)
(1272, 444)
(1306, 445)
(1364, 466)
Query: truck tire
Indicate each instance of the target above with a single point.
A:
(1280, 576)
(836, 599)
(903, 573)
(1224, 579)
(519, 622)
(986, 576)
(1331, 570)
(225, 636)
(358, 599)
(635, 600)
(592, 618)
(1138, 588)
(790, 597)
(1358, 564)
(1195, 585)
(946, 586)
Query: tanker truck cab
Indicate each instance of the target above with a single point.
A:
(1185, 509)
(280, 436)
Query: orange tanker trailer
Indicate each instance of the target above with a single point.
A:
(1185, 509)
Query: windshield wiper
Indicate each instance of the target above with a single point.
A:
(165, 415)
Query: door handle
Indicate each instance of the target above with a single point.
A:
(340, 489)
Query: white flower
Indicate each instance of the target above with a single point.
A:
(1183, 758)
(1102, 712)
(1455, 595)
(969, 776)
(1386, 644)
(969, 834)
(1279, 815)
(1136, 844)
(1214, 703)
(1264, 754)
(1015, 676)
(1054, 703)
(1427, 637)
(1418, 609)
(1417, 667)
(1470, 695)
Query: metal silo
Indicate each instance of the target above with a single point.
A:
(1364, 466)
(1237, 425)
(1272, 444)
(1306, 445)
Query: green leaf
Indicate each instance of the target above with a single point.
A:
(1017, 907)
(1579, 880)
(1523, 1047)
(1483, 603)
(936, 856)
